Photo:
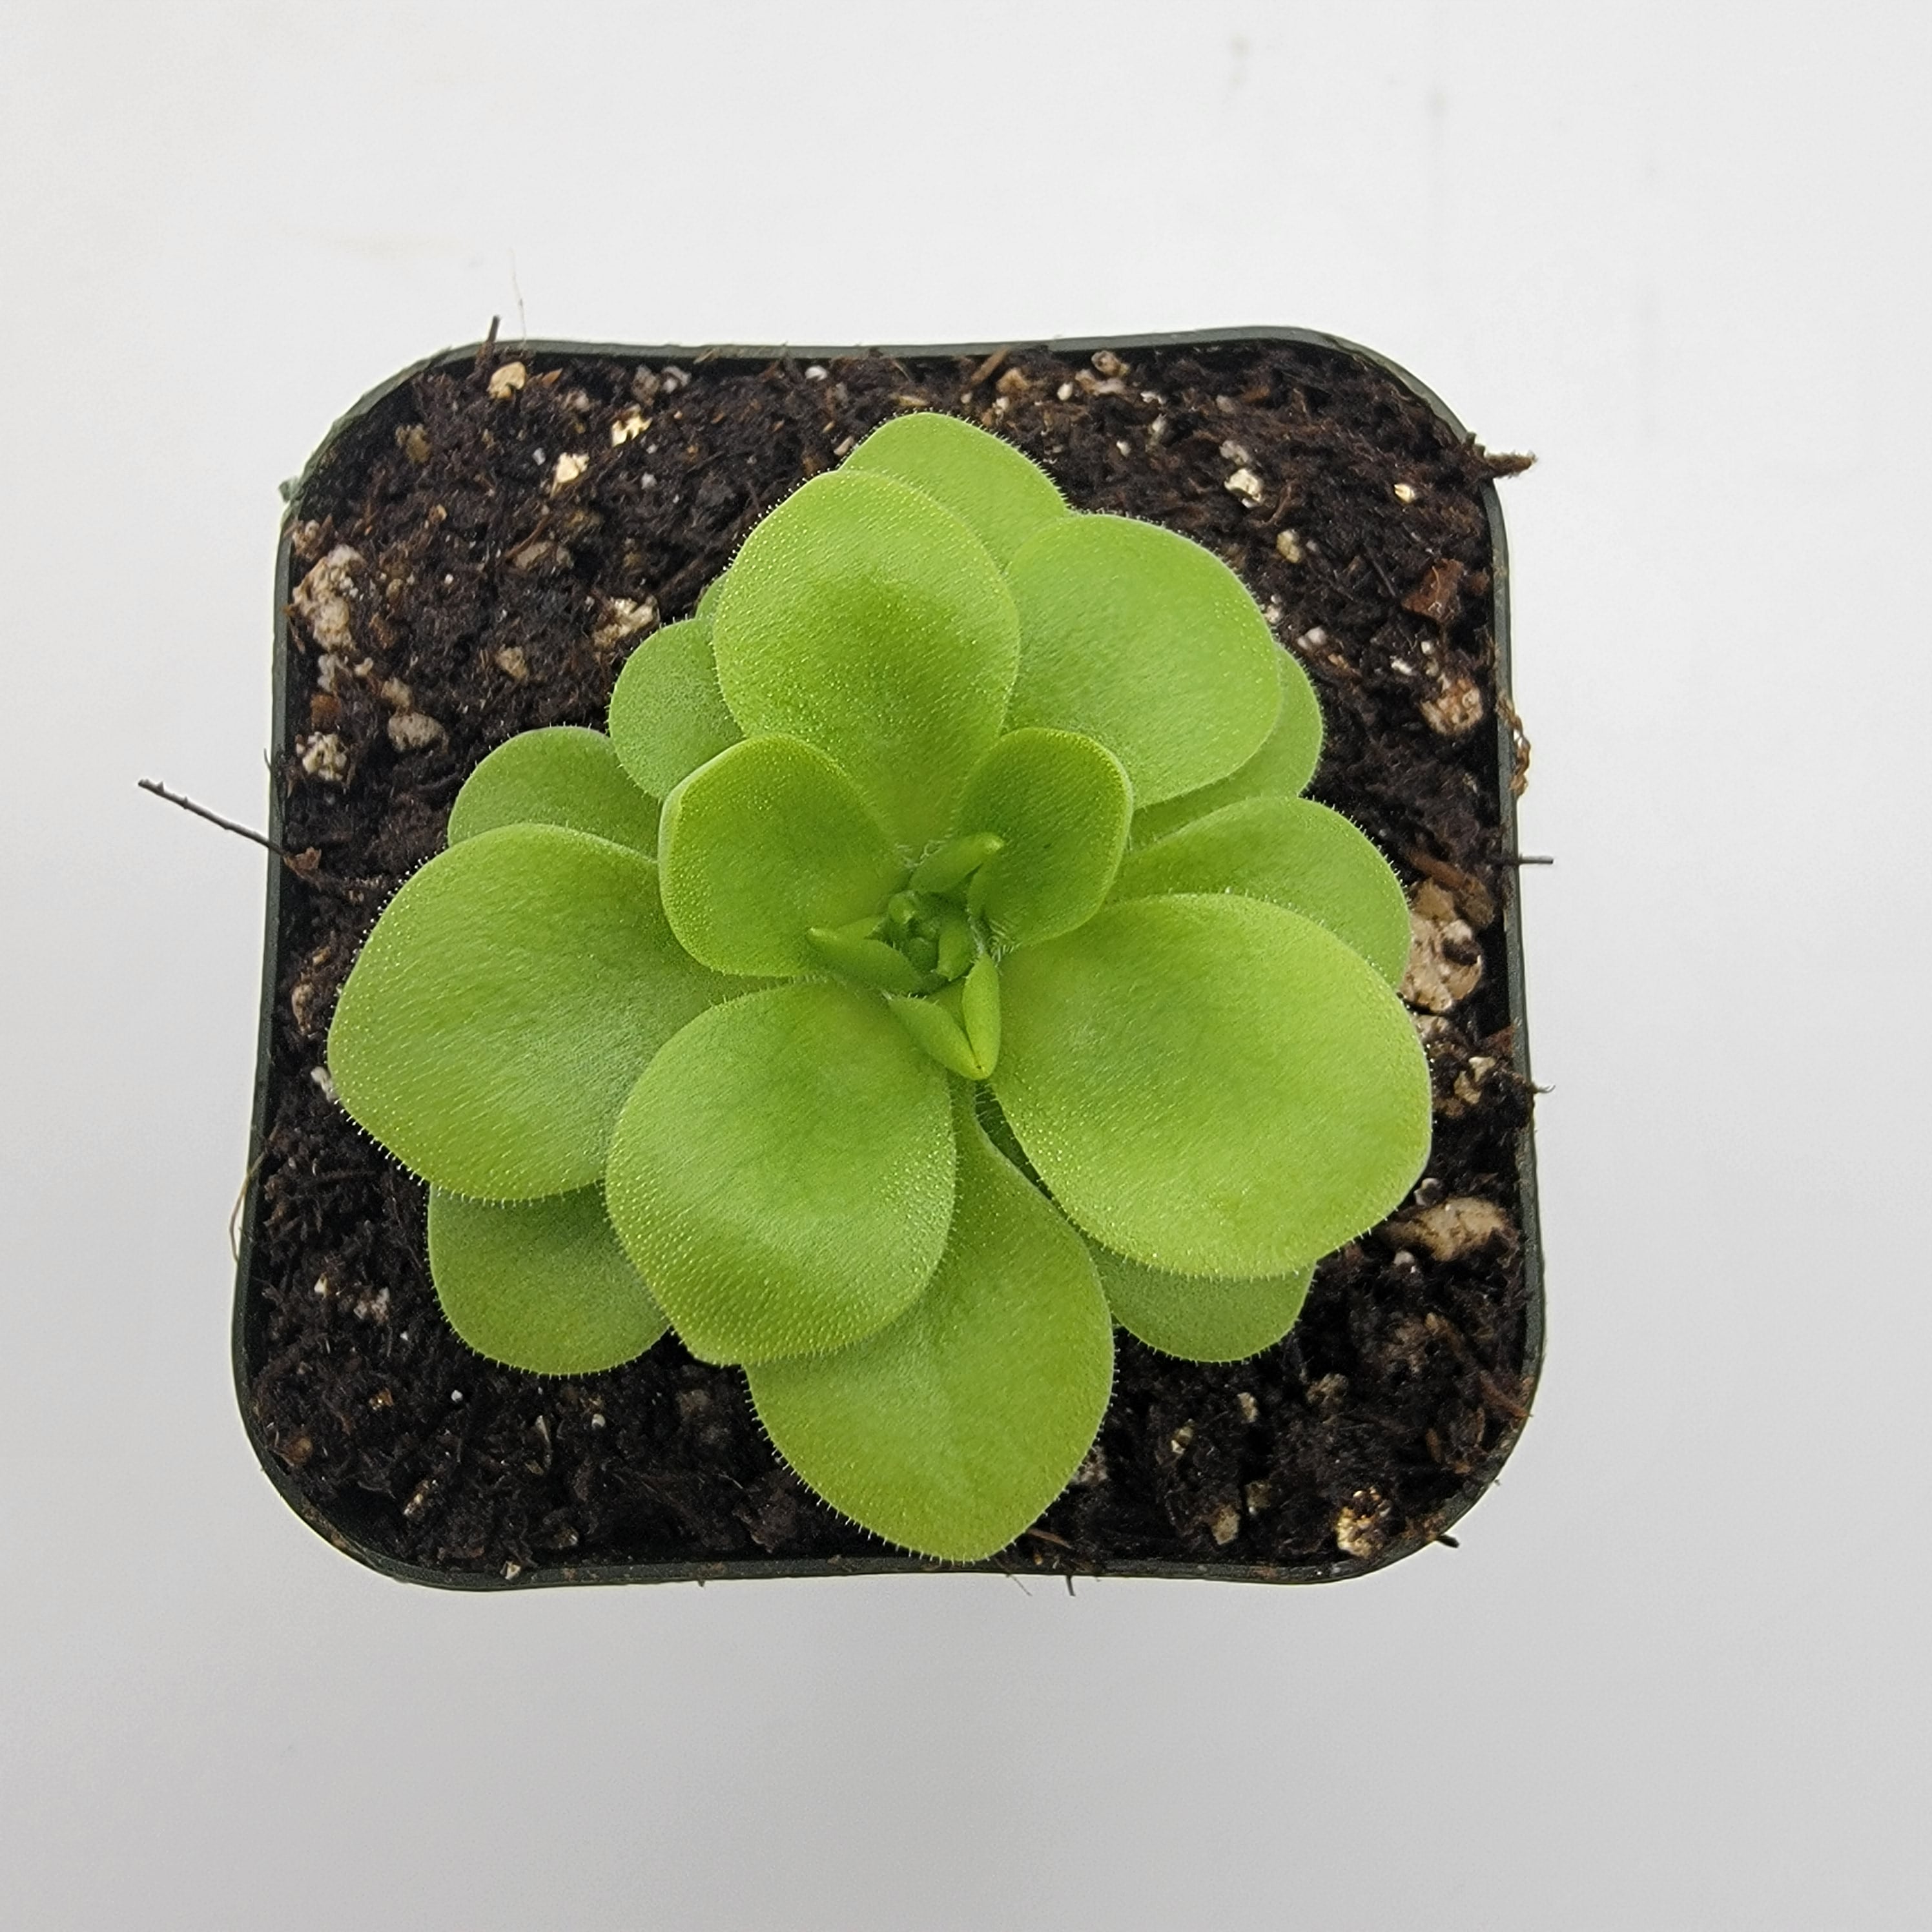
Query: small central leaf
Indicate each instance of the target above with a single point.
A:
(870, 960)
(955, 862)
(937, 1031)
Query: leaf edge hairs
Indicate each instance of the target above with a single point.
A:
(934, 966)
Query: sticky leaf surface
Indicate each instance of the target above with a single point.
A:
(1000, 495)
(767, 841)
(782, 1173)
(667, 716)
(863, 618)
(1200, 1318)
(1292, 853)
(507, 1000)
(541, 1285)
(1281, 769)
(561, 774)
(1212, 1085)
(1136, 637)
(1060, 804)
(948, 1432)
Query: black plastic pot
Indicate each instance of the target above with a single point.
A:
(249, 1337)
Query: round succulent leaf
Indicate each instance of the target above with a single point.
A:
(950, 1431)
(1212, 1085)
(504, 1005)
(1001, 496)
(1200, 1318)
(1281, 769)
(540, 1285)
(863, 618)
(561, 774)
(1292, 853)
(667, 716)
(782, 1173)
(767, 842)
(1137, 637)
(1060, 804)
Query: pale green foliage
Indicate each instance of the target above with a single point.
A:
(1281, 769)
(1211, 1084)
(1203, 1317)
(864, 618)
(561, 775)
(1060, 804)
(782, 1173)
(667, 716)
(900, 753)
(952, 1429)
(769, 840)
(504, 1007)
(1102, 601)
(540, 1284)
(1292, 853)
(1001, 496)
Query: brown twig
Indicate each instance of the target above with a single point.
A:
(213, 817)
(985, 368)
(306, 865)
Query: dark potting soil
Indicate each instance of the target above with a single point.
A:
(477, 554)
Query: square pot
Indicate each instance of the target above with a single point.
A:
(473, 551)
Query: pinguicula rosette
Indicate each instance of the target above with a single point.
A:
(982, 980)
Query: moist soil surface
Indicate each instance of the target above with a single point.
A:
(477, 554)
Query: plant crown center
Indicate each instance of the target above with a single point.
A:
(928, 949)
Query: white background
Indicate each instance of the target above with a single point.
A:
(1676, 1675)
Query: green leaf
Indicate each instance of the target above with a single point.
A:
(508, 999)
(560, 776)
(1281, 769)
(950, 1431)
(980, 1014)
(782, 1174)
(866, 960)
(953, 864)
(1293, 852)
(767, 841)
(862, 617)
(941, 1034)
(1136, 637)
(1000, 495)
(1200, 1318)
(1212, 1085)
(540, 1285)
(1060, 804)
(667, 716)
